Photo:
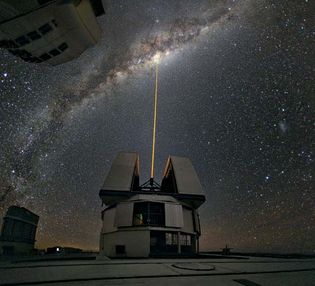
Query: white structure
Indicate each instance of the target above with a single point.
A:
(18, 231)
(139, 221)
(49, 31)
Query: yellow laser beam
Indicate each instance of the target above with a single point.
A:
(154, 120)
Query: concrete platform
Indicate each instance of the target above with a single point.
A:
(250, 272)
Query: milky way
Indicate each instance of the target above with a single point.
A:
(236, 87)
(178, 33)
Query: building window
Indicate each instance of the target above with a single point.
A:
(8, 44)
(22, 41)
(63, 47)
(54, 52)
(42, 2)
(24, 54)
(34, 35)
(14, 52)
(54, 22)
(120, 249)
(45, 29)
(149, 213)
(170, 238)
(45, 57)
(185, 239)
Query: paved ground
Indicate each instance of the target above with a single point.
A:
(248, 272)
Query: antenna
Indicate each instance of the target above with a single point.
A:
(154, 122)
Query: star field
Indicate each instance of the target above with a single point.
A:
(236, 96)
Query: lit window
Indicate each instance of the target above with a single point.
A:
(149, 213)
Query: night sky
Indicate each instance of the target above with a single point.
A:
(236, 96)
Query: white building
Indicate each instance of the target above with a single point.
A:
(18, 231)
(143, 221)
(52, 31)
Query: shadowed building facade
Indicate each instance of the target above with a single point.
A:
(146, 221)
(49, 31)
(18, 231)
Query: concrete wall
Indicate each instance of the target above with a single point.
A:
(137, 243)
(118, 226)
(76, 26)
(20, 248)
(108, 220)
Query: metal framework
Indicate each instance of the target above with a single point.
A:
(150, 185)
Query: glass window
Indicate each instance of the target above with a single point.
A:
(24, 54)
(54, 52)
(32, 60)
(45, 57)
(34, 35)
(45, 29)
(14, 52)
(22, 40)
(54, 22)
(8, 44)
(149, 213)
(185, 239)
(42, 2)
(63, 47)
(171, 238)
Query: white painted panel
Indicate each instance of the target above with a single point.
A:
(137, 243)
(197, 222)
(186, 177)
(124, 213)
(188, 220)
(108, 220)
(173, 215)
(121, 173)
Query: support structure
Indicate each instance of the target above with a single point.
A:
(150, 220)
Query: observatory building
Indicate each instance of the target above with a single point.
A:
(18, 231)
(152, 219)
(52, 31)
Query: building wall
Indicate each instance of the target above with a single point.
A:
(136, 242)
(72, 29)
(122, 214)
(118, 228)
(18, 231)
(109, 220)
(19, 248)
(188, 221)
